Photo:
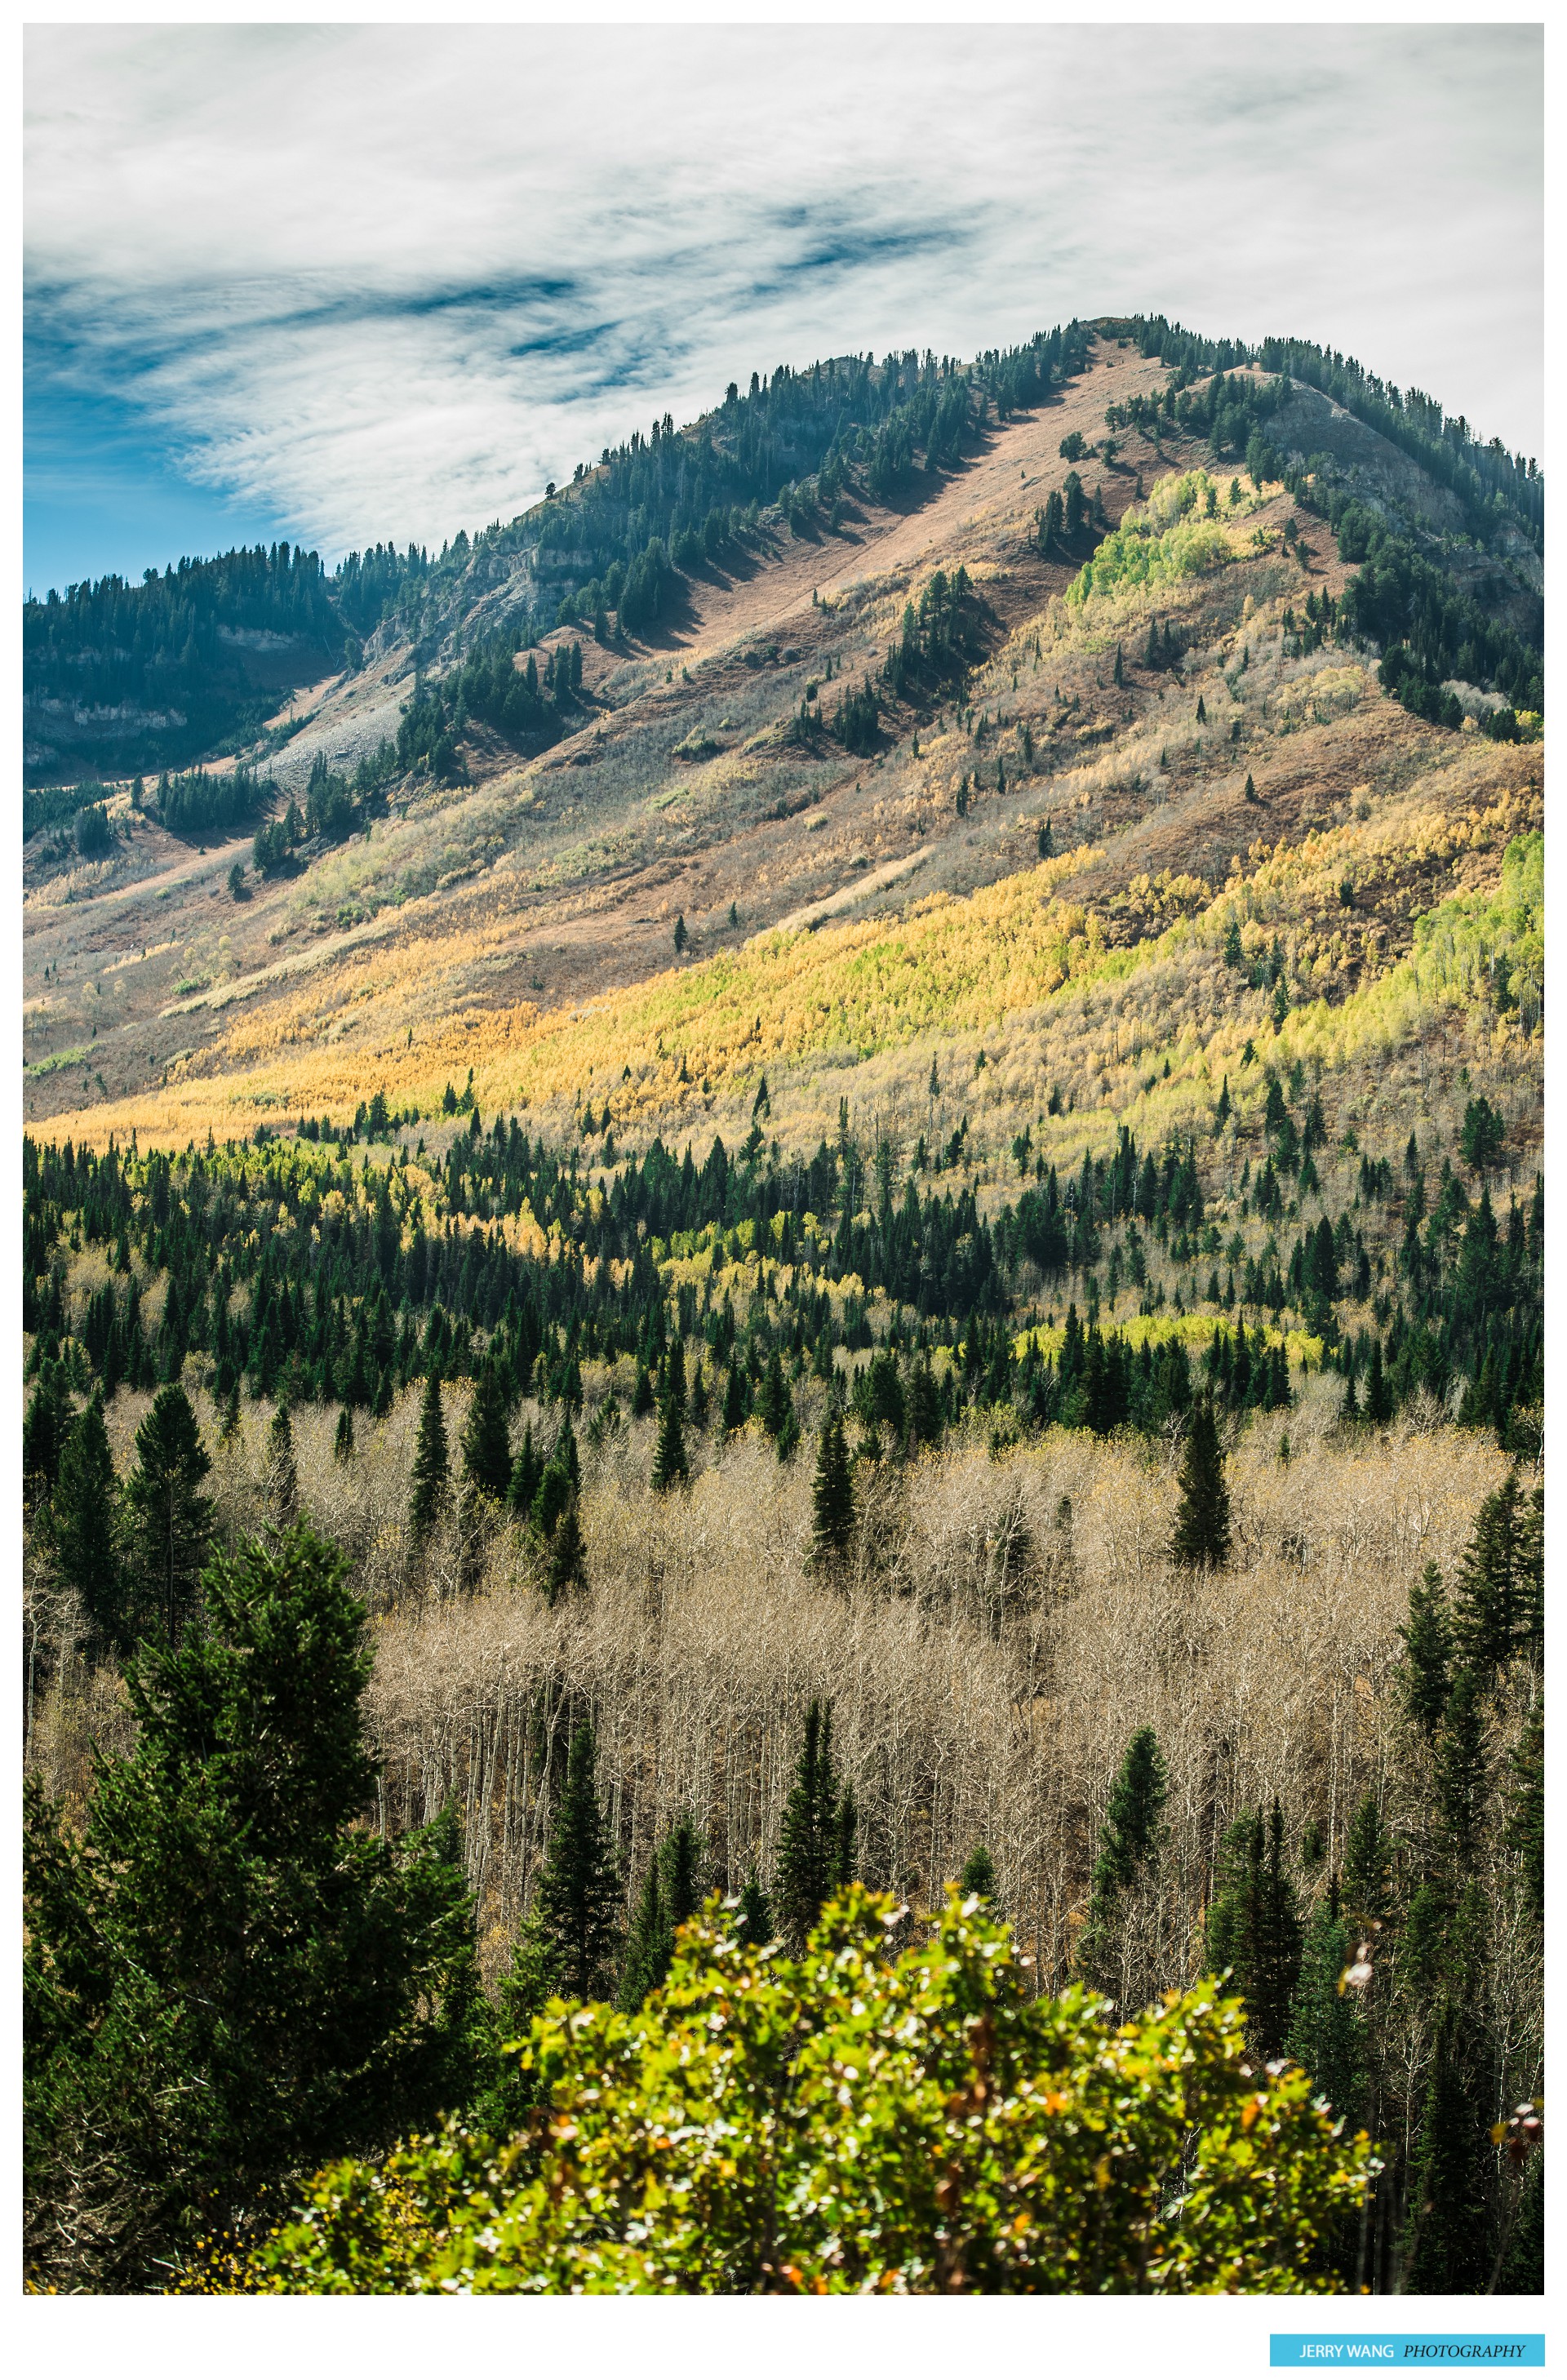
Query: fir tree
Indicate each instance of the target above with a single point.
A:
(979, 1874)
(342, 1443)
(187, 2049)
(1202, 1520)
(1525, 1810)
(44, 1428)
(569, 1553)
(526, 1472)
(578, 1897)
(753, 1918)
(1327, 2032)
(649, 1944)
(171, 1519)
(282, 1476)
(1128, 1846)
(486, 1449)
(84, 1530)
(1428, 1653)
(1461, 1770)
(736, 1401)
(1253, 1928)
(1501, 1580)
(1366, 1880)
(812, 1842)
(1445, 2233)
(670, 1464)
(832, 1496)
(1378, 1390)
(431, 1463)
(776, 1406)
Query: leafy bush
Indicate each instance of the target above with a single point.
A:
(1157, 544)
(854, 2122)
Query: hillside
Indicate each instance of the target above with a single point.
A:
(934, 1109)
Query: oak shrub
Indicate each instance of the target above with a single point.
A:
(866, 2118)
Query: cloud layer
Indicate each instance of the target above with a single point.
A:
(386, 281)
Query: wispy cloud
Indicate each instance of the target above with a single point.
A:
(386, 282)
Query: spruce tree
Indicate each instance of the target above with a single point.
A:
(526, 1472)
(1253, 1928)
(979, 1874)
(736, 1404)
(1445, 2227)
(45, 1430)
(1500, 1593)
(342, 1443)
(1202, 1520)
(670, 1464)
(753, 1919)
(1428, 1653)
(578, 1898)
(1461, 1770)
(189, 2049)
(84, 1528)
(832, 1496)
(1327, 2032)
(1128, 1846)
(567, 1564)
(282, 1476)
(170, 1518)
(816, 1833)
(774, 1405)
(1525, 1810)
(649, 1944)
(487, 1450)
(1366, 1880)
(431, 1463)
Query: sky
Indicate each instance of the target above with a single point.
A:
(345, 283)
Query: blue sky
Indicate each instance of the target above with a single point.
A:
(341, 284)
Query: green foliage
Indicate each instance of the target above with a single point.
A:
(1253, 1928)
(1128, 1849)
(84, 1528)
(226, 1978)
(852, 2122)
(432, 1463)
(169, 1516)
(833, 1495)
(1202, 1520)
(1428, 1652)
(1327, 2032)
(577, 1908)
(980, 1875)
(1157, 544)
(487, 1450)
(816, 1841)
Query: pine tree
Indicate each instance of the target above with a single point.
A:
(650, 1945)
(1525, 1812)
(1366, 1880)
(282, 1476)
(979, 1874)
(670, 1464)
(1379, 1392)
(1202, 1520)
(812, 1842)
(1428, 1653)
(44, 1428)
(1501, 1580)
(832, 1496)
(579, 1896)
(431, 1463)
(171, 1519)
(569, 1553)
(342, 1443)
(486, 1449)
(84, 1528)
(736, 1401)
(526, 1472)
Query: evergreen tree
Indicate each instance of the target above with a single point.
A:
(1428, 1653)
(670, 1464)
(1202, 1520)
(776, 1406)
(84, 1528)
(1525, 1812)
(342, 1443)
(736, 1401)
(569, 1553)
(979, 1874)
(1501, 1582)
(526, 1472)
(432, 1463)
(649, 1944)
(1378, 1390)
(186, 2049)
(1461, 1770)
(1128, 1846)
(44, 1429)
(486, 1449)
(1366, 1880)
(1253, 1928)
(753, 1919)
(578, 1897)
(818, 1833)
(1327, 2034)
(833, 1495)
(1446, 2230)
(170, 1518)
(282, 1476)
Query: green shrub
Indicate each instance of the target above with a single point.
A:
(856, 2120)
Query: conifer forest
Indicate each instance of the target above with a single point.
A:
(784, 1433)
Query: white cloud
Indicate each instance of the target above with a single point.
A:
(388, 281)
